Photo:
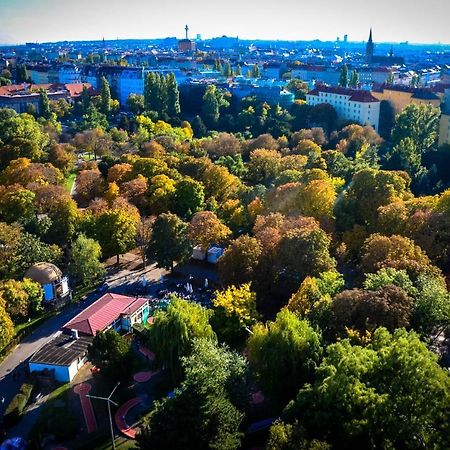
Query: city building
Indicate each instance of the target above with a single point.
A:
(316, 73)
(186, 45)
(350, 104)
(444, 124)
(372, 59)
(64, 355)
(401, 96)
(21, 97)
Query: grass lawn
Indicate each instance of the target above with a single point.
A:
(70, 180)
(33, 323)
(121, 444)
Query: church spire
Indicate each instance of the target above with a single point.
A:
(369, 48)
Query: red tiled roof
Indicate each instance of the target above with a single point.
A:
(75, 89)
(354, 94)
(104, 312)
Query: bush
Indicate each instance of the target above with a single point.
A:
(17, 405)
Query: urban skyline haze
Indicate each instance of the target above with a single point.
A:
(55, 20)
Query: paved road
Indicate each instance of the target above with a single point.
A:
(15, 361)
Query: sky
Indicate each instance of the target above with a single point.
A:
(392, 20)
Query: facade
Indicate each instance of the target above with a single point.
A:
(402, 96)
(69, 73)
(377, 75)
(350, 104)
(20, 96)
(444, 130)
(314, 73)
(62, 356)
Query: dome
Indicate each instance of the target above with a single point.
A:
(43, 273)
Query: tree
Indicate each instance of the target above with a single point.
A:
(6, 328)
(240, 260)
(169, 241)
(324, 116)
(188, 197)
(397, 252)
(85, 266)
(205, 229)
(17, 205)
(135, 103)
(256, 72)
(210, 108)
(203, 409)
(302, 252)
(15, 299)
(343, 77)
(173, 96)
(35, 295)
(354, 79)
(173, 332)
(388, 307)
(405, 156)
(389, 394)
(285, 354)
(151, 88)
(116, 232)
(420, 123)
(144, 233)
(105, 97)
(235, 311)
(111, 353)
(292, 437)
(44, 105)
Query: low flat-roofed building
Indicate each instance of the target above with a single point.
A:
(63, 356)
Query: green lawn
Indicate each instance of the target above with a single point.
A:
(33, 323)
(70, 180)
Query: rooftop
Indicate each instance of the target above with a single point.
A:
(62, 350)
(354, 94)
(103, 312)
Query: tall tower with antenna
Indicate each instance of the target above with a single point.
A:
(186, 28)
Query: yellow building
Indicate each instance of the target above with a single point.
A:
(401, 96)
(444, 130)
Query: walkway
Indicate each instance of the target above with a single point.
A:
(147, 353)
(121, 414)
(88, 411)
(144, 376)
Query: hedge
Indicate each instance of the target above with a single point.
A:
(15, 409)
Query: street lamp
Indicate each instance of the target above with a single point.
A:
(108, 401)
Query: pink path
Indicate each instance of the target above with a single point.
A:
(142, 377)
(121, 414)
(147, 353)
(88, 411)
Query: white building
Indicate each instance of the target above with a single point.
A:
(350, 104)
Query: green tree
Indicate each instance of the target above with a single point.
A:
(116, 232)
(105, 97)
(188, 197)
(17, 205)
(227, 70)
(35, 295)
(15, 299)
(173, 331)
(419, 123)
(256, 72)
(202, 410)
(210, 108)
(112, 354)
(94, 119)
(151, 89)
(85, 266)
(343, 77)
(391, 393)
(354, 79)
(135, 103)
(285, 354)
(173, 96)
(169, 241)
(44, 105)
(85, 100)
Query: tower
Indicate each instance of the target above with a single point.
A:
(186, 28)
(369, 48)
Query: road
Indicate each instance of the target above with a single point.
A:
(14, 362)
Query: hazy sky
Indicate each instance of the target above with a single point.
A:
(392, 20)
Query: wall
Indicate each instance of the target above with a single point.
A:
(444, 130)
(63, 374)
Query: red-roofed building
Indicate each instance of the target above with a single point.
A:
(20, 96)
(350, 104)
(66, 353)
(119, 312)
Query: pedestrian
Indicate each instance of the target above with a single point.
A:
(3, 400)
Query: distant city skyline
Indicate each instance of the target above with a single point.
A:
(56, 20)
